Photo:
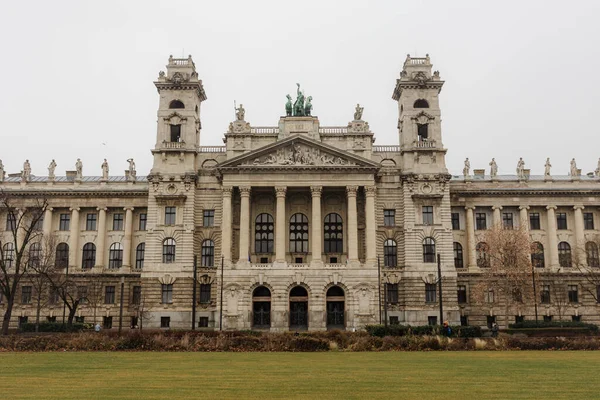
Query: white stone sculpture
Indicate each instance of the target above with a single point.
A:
(26, 175)
(51, 169)
(299, 154)
(467, 167)
(79, 169)
(232, 302)
(104, 170)
(363, 301)
(521, 168)
(574, 171)
(1, 171)
(493, 168)
(240, 113)
(597, 172)
(358, 111)
(547, 167)
(132, 172)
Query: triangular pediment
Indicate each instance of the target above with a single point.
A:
(298, 151)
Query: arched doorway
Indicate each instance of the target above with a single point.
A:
(298, 308)
(261, 308)
(335, 308)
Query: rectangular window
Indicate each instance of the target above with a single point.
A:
(427, 215)
(519, 319)
(392, 293)
(107, 322)
(431, 320)
(165, 322)
(545, 294)
(205, 293)
(464, 320)
(394, 320)
(79, 320)
(534, 221)
(109, 295)
(170, 215)
(11, 221)
(90, 222)
(597, 294)
(588, 221)
(430, 293)
(422, 132)
(51, 319)
(507, 220)
(143, 220)
(136, 296)
(576, 318)
(480, 221)
(175, 133)
(573, 294)
(167, 294)
(455, 221)
(39, 224)
(52, 296)
(203, 322)
(82, 294)
(64, 222)
(489, 296)
(561, 220)
(134, 322)
(389, 217)
(23, 320)
(491, 320)
(117, 222)
(208, 218)
(26, 294)
(462, 293)
(547, 318)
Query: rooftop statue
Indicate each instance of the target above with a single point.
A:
(358, 111)
(597, 172)
(574, 171)
(79, 169)
(547, 167)
(1, 171)
(51, 169)
(308, 106)
(26, 175)
(132, 172)
(240, 113)
(493, 168)
(467, 167)
(288, 106)
(104, 167)
(299, 104)
(521, 168)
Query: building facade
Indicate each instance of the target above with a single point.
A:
(298, 226)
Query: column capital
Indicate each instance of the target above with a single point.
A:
(472, 208)
(497, 208)
(128, 208)
(316, 191)
(370, 190)
(245, 191)
(74, 209)
(50, 209)
(280, 191)
(551, 207)
(578, 207)
(351, 190)
(227, 190)
(101, 208)
(523, 207)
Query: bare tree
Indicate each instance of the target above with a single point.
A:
(95, 295)
(559, 296)
(23, 229)
(40, 263)
(586, 260)
(506, 268)
(142, 312)
(68, 291)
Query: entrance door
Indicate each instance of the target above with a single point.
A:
(299, 315)
(262, 314)
(335, 308)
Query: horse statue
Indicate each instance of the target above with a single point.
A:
(308, 106)
(288, 106)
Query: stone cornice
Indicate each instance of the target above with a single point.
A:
(79, 193)
(579, 192)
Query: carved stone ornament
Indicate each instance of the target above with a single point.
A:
(178, 78)
(240, 127)
(421, 78)
(171, 189)
(358, 127)
(299, 154)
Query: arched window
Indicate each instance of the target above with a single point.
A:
(564, 255)
(88, 259)
(35, 254)
(9, 254)
(140, 251)
(299, 233)
(591, 251)
(537, 254)
(390, 253)
(334, 233)
(176, 104)
(421, 103)
(169, 250)
(263, 233)
(428, 250)
(422, 132)
(458, 255)
(62, 255)
(483, 258)
(115, 255)
(261, 307)
(208, 253)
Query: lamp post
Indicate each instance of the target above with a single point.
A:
(121, 305)
(379, 281)
(221, 306)
(439, 268)
(194, 292)
(534, 293)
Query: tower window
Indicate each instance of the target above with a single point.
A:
(422, 131)
(176, 104)
(421, 103)
(175, 133)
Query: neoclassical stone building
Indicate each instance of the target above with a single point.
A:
(291, 223)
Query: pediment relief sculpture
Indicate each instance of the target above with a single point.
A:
(299, 154)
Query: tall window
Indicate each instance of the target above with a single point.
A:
(390, 253)
(333, 228)
(591, 251)
(430, 293)
(9, 254)
(64, 222)
(26, 294)
(428, 250)
(461, 291)
(455, 221)
(588, 221)
(88, 259)
(35, 254)
(82, 294)
(534, 221)
(140, 251)
(507, 220)
(115, 255)
(545, 294)
(422, 132)
(483, 258)
(90, 222)
(168, 250)
(39, 223)
(428, 215)
(573, 294)
(208, 253)
(392, 293)
(167, 294)
(537, 255)
(389, 217)
(143, 221)
(205, 293)
(564, 255)
(170, 215)
(489, 296)
(263, 233)
(109, 295)
(208, 218)
(561, 220)
(136, 296)
(62, 255)
(175, 133)
(299, 233)
(421, 103)
(117, 222)
(458, 255)
(11, 221)
(480, 221)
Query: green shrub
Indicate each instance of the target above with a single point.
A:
(54, 327)
(306, 343)
(553, 324)
(425, 330)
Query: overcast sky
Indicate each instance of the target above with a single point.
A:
(522, 77)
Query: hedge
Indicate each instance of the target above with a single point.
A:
(54, 327)
(553, 324)
(405, 330)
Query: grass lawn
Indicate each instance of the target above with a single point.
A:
(334, 375)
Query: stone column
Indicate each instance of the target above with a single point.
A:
(552, 239)
(352, 224)
(101, 241)
(226, 225)
(471, 257)
(128, 237)
(74, 237)
(371, 245)
(524, 217)
(47, 225)
(244, 223)
(317, 224)
(497, 219)
(280, 222)
(579, 250)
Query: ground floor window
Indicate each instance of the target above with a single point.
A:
(165, 322)
(107, 322)
(432, 320)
